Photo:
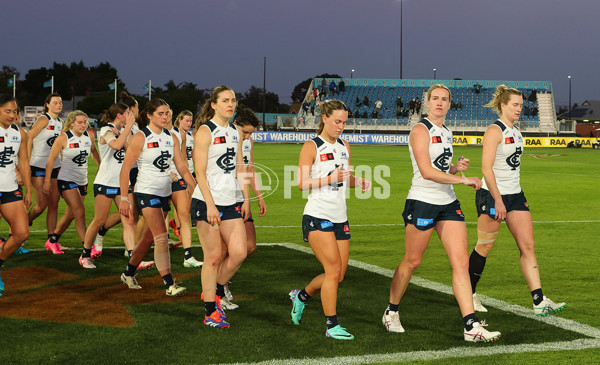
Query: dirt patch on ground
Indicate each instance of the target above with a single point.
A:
(51, 295)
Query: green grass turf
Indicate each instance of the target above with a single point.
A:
(560, 184)
(261, 329)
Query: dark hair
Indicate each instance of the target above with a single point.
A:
(127, 99)
(245, 116)
(48, 98)
(150, 108)
(6, 98)
(207, 111)
(111, 113)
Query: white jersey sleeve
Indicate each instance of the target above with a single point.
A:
(74, 158)
(221, 165)
(10, 142)
(507, 164)
(440, 153)
(328, 202)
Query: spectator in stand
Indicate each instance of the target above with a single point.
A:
(477, 87)
(312, 107)
(315, 92)
(375, 113)
(357, 103)
(366, 101)
(526, 110)
(399, 102)
(342, 86)
(533, 96)
(417, 106)
(333, 88)
(534, 111)
(378, 105)
(365, 115)
(305, 107)
(411, 105)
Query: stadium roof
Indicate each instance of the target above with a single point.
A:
(589, 110)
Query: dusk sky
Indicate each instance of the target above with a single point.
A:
(223, 42)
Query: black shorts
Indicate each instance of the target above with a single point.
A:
(152, 201)
(69, 185)
(133, 173)
(310, 223)
(239, 207)
(485, 203)
(38, 172)
(198, 211)
(11, 196)
(424, 216)
(108, 191)
(178, 185)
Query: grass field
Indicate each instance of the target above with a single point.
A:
(55, 312)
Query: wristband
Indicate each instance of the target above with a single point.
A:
(124, 198)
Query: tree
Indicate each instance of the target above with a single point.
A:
(300, 90)
(7, 73)
(253, 98)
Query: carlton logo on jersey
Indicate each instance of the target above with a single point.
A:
(119, 155)
(50, 141)
(326, 156)
(161, 161)
(188, 153)
(514, 160)
(81, 158)
(442, 161)
(219, 140)
(5, 155)
(227, 160)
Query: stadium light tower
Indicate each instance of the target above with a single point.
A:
(400, 1)
(352, 73)
(569, 97)
(434, 71)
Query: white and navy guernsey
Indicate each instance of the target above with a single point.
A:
(112, 160)
(177, 133)
(10, 142)
(246, 152)
(189, 147)
(507, 165)
(329, 201)
(221, 166)
(154, 176)
(74, 156)
(42, 143)
(440, 153)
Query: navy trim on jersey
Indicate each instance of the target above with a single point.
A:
(318, 141)
(232, 126)
(166, 131)
(176, 129)
(69, 134)
(211, 125)
(147, 131)
(427, 124)
(14, 127)
(501, 125)
(341, 142)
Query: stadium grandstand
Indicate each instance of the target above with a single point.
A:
(398, 99)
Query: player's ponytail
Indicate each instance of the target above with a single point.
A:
(501, 96)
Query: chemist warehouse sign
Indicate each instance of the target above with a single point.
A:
(529, 141)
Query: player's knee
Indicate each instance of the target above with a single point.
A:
(527, 248)
(412, 263)
(485, 242)
(20, 233)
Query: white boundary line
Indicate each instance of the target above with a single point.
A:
(455, 352)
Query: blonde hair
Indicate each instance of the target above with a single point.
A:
(438, 86)
(502, 96)
(71, 118)
(180, 116)
(327, 108)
